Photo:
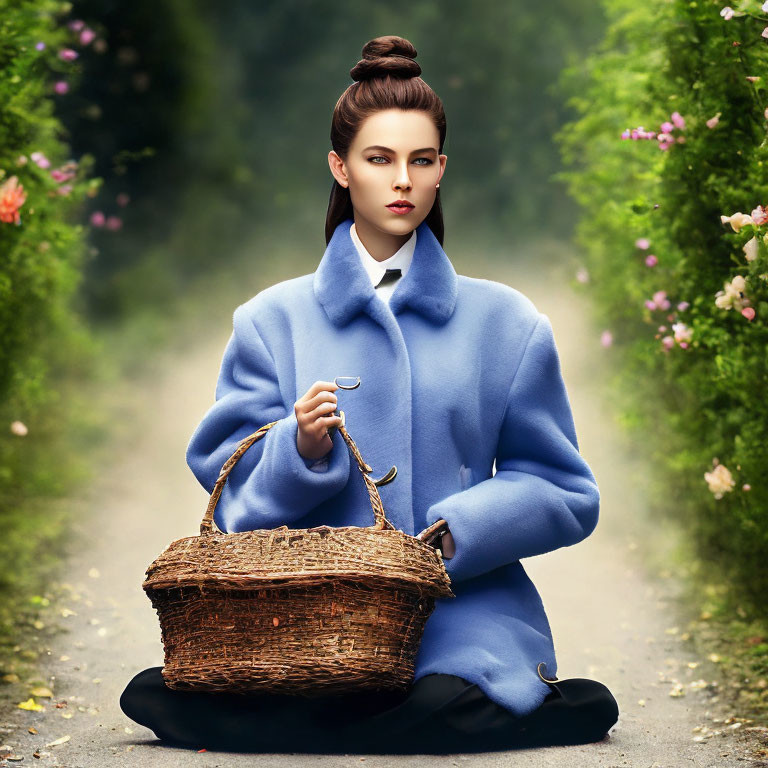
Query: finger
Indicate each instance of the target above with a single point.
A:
(318, 429)
(320, 386)
(326, 422)
(321, 397)
(305, 408)
(324, 409)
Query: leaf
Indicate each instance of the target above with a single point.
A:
(42, 691)
(62, 740)
(31, 705)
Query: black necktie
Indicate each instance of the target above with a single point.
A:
(389, 277)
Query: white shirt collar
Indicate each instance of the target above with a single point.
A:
(401, 258)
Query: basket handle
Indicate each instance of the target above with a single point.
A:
(381, 521)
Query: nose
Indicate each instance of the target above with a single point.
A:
(402, 179)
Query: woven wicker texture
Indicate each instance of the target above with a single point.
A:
(307, 611)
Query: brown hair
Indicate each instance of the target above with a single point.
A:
(387, 78)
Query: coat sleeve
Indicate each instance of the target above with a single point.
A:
(271, 484)
(543, 495)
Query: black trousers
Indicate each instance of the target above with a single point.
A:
(438, 714)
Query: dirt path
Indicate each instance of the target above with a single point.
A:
(610, 621)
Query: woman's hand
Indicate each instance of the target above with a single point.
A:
(447, 544)
(314, 413)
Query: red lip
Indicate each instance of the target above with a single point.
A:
(399, 203)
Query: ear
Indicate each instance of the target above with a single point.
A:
(443, 159)
(338, 169)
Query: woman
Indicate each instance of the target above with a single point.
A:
(456, 373)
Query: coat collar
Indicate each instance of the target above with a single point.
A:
(344, 288)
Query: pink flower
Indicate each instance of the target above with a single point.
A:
(643, 243)
(19, 428)
(638, 133)
(759, 215)
(582, 275)
(606, 338)
(40, 160)
(68, 54)
(61, 86)
(76, 25)
(682, 334)
(668, 342)
(713, 121)
(12, 197)
(64, 189)
(748, 312)
(59, 175)
(764, 33)
(98, 219)
(659, 301)
(114, 222)
(746, 487)
(667, 127)
(123, 199)
(683, 305)
(651, 260)
(727, 12)
(678, 120)
(86, 36)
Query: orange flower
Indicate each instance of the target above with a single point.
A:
(12, 197)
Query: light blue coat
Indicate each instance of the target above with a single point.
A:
(457, 372)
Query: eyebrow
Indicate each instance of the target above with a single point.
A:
(387, 149)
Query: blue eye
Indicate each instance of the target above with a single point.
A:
(380, 157)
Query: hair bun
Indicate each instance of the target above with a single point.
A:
(386, 55)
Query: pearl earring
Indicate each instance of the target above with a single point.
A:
(437, 185)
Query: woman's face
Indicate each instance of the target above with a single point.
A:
(393, 157)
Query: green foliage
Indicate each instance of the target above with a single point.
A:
(42, 249)
(688, 407)
(46, 350)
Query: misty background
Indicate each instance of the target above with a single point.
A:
(215, 120)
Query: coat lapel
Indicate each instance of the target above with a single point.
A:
(342, 285)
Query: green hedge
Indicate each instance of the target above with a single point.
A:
(690, 366)
(43, 251)
(46, 350)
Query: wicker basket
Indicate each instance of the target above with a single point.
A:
(302, 611)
